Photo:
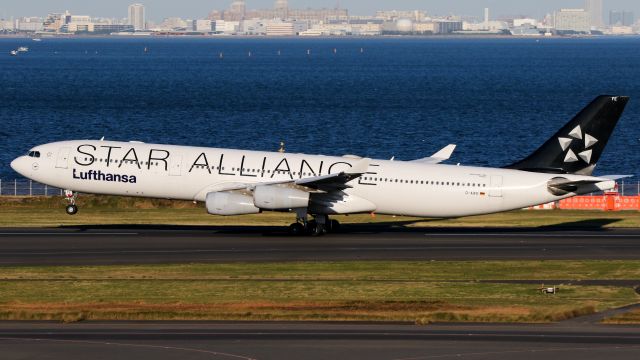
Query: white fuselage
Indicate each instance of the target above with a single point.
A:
(190, 173)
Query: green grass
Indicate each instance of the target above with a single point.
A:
(383, 290)
(106, 210)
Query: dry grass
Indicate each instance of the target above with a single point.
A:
(342, 271)
(631, 317)
(418, 312)
(404, 291)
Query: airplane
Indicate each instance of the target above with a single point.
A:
(236, 182)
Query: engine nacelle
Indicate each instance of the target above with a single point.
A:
(227, 203)
(275, 197)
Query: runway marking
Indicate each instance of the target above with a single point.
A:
(215, 353)
(65, 234)
(536, 235)
(537, 350)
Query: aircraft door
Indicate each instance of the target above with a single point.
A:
(62, 162)
(496, 186)
(175, 165)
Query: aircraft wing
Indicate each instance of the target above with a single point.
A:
(438, 157)
(323, 184)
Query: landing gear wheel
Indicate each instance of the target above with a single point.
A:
(71, 209)
(333, 226)
(296, 229)
(316, 229)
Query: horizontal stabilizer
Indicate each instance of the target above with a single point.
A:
(615, 177)
(561, 186)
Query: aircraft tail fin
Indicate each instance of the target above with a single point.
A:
(577, 147)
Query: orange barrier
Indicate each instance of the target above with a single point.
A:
(608, 202)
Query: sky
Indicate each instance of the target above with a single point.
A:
(159, 9)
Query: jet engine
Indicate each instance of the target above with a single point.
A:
(275, 197)
(228, 203)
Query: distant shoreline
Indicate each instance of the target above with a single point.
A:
(254, 37)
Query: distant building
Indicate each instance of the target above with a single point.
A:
(524, 22)
(621, 30)
(446, 26)
(621, 18)
(573, 21)
(77, 23)
(318, 14)
(203, 25)
(137, 16)
(594, 7)
(280, 29)
(281, 8)
(111, 28)
(525, 30)
(236, 11)
(53, 22)
(29, 24)
(9, 25)
(393, 15)
(175, 23)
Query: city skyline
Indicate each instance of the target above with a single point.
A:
(159, 9)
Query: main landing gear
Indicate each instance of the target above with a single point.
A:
(320, 225)
(71, 196)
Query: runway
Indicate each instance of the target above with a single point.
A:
(98, 245)
(235, 340)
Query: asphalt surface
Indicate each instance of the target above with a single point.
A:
(96, 245)
(174, 340)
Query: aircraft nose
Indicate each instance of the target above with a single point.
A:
(18, 166)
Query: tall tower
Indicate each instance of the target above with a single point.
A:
(137, 16)
(594, 7)
(486, 18)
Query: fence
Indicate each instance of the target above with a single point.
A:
(24, 187)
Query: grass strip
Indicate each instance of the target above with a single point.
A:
(352, 290)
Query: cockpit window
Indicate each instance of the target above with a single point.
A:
(34, 154)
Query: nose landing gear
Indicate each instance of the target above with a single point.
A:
(71, 196)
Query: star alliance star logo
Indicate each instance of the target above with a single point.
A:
(576, 134)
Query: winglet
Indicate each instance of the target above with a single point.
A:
(360, 167)
(442, 155)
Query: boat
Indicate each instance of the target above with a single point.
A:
(23, 49)
(13, 52)
(36, 39)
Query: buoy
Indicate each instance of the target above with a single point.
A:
(335, 51)
(249, 53)
(361, 50)
(279, 53)
(221, 55)
(309, 52)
